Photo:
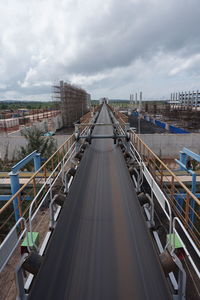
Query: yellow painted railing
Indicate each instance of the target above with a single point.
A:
(170, 184)
(30, 189)
(173, 188)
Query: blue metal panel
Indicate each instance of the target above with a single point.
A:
(15, 186)
(174, 129)
(184, 167)
(180, 201)
(37, 161)
(14, 178)
(24, 161)
(5, 197)
(160, 124)
(191, 154)
(192, 202)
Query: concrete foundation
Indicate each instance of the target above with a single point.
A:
(169, 145)
(10, 146)
(164, 145)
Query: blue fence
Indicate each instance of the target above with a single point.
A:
(170, 128)
(174, 129)
(160, 124)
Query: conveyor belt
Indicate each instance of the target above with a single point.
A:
(101, 247)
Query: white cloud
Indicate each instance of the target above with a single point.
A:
(110, 47)
(186, 64)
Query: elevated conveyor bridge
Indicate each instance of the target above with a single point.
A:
(101, 240)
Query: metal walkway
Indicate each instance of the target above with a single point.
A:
(101, 247)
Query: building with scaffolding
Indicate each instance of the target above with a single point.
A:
(74, 102)
(186, 99)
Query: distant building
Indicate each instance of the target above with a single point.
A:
(103, 100)
(187, 99)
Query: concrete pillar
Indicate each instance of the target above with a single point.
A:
(136, 99)
(196, 100)
(188, 102)
(185, 99)
(182, 98)
(193, 99)
(140, 100)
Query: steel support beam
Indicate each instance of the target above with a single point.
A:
(37, 161)
(34, 155)
(191, 154)
(192, 202)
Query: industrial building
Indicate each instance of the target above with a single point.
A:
(186, 99)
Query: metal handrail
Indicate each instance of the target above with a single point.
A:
(161, 162)
(176, 219)
(46, 182)
(34, 175)
(166, 167)
(151, 157)
(184, 214)
(25, 230)
(168, 206)
(31, 217)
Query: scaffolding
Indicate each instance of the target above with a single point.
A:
(74, 102)
(187, 117)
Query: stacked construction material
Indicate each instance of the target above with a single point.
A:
(9, 125)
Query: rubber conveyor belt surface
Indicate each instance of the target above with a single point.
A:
(101, 247)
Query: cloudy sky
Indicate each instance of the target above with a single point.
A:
(110, 47)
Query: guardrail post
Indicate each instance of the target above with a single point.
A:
(161, 176)
(172, 189)
(37, 161)
(34, 187)
(187, 205)
(52, 164)
(58, 159)
(15, 186)
(183, 159)
(148, 158)
(192, 202)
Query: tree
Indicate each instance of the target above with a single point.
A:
(36, 140)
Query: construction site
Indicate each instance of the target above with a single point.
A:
(100, 150)
(71, 228)
(70, 103)
(182, 110)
